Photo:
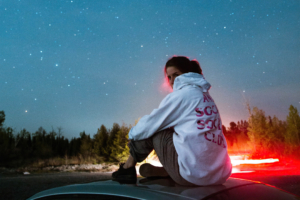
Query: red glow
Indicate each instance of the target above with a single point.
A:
(242, 165)
(269, 166)
(165, 87)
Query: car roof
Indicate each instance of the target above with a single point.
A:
(150, 188)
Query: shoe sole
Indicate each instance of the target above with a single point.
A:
(148, 170)
(125, 178)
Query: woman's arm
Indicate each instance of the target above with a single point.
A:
(166, 115)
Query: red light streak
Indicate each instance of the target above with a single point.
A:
(238, 160)
(242, 159)
(241, 164)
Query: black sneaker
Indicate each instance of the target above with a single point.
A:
(125, 175)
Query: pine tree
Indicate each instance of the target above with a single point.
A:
(86, 145)
(7, 140)
(266, 134)
(257, 132)
(100, 141)
(120, 152)
(74, 147)
(112, 136)
(243, 127)
(292, 136)
(39, 144)
(2, 118)
(228, 136)
(24, 144)
(275, 131)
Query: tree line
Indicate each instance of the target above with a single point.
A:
(270, 136)
(108, 144)
(234, 130)
(267, 136)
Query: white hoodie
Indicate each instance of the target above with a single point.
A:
(198, 139)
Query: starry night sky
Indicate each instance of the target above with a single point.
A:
(79, 64)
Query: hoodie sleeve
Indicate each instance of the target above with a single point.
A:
(165, 116)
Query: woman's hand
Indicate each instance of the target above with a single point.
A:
(128, 143)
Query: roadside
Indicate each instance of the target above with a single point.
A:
(104, 167)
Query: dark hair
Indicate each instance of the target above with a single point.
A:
(184, 64)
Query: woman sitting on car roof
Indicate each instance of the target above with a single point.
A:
(185, 131)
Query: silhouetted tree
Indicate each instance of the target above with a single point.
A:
(266, 134)
(41, 148)
(6, 144)
(100, 142)
(231, 133)
(120, 150)
(86, 144)
(257, 131)
(2, 118)
(24, 144)
(292, 136)
(275, 131)
(52, 141)
(74, 147)
(112, 136)
(243, 127)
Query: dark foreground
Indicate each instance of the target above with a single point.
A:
(18, 186)
(289, 183)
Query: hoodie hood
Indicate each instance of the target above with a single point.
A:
(191, 79)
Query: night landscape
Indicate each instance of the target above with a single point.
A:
(76, 76)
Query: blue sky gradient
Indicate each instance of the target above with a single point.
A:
(79, 64)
